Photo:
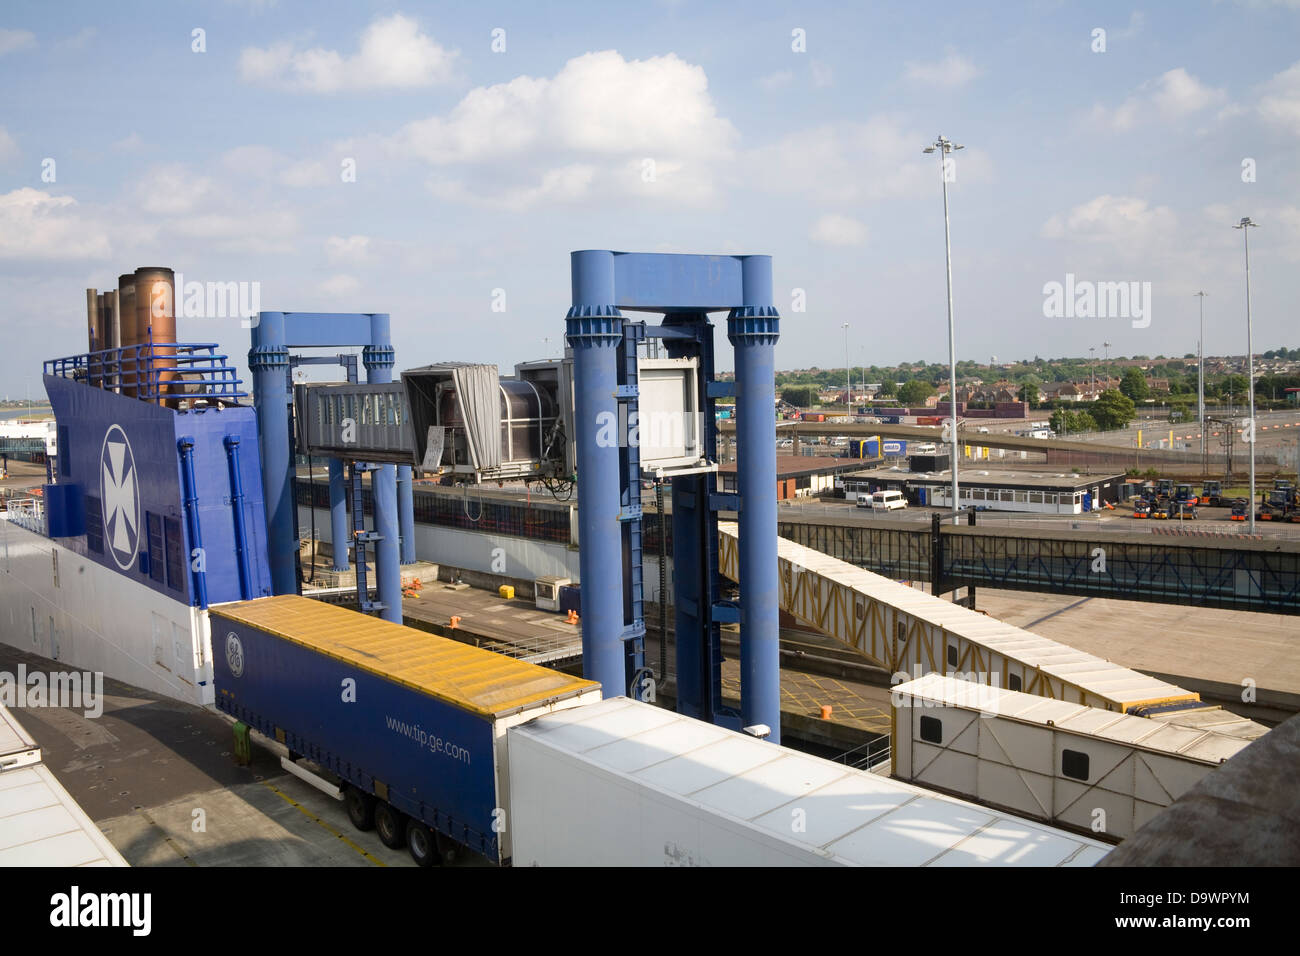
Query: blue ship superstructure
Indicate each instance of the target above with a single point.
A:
(124, 496)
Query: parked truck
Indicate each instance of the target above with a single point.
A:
(410, 727)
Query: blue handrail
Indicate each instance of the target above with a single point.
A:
(158, 370)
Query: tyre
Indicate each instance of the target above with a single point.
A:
(390, 824)
(421, 843)
(448, 849)
(361, 808)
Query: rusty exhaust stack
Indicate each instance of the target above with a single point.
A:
(127, 333)
(155, 317)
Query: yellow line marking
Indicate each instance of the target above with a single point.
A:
(321, 823)
(170, 842)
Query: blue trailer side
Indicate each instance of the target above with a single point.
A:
(407, 717)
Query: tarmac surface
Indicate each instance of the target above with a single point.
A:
(159, 778)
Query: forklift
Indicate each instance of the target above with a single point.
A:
(1212, 494)
(1240, 509)
(1141, 508)
(1165, 489)
(1184, 494)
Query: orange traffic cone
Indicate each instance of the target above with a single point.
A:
(572, 618)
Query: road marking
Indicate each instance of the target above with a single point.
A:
(170, 842)
(317, 820)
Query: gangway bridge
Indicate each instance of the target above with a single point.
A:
(907, 632)
(1237, 573)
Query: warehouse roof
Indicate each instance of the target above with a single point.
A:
(982, 477)
(471, 678)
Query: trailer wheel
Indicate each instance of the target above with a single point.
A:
(448, 849)
(421, 844)
(390, 824)
(361, 808)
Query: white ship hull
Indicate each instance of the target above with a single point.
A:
(60, 605)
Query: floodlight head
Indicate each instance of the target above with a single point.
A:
(928, 149)
(1245, 221)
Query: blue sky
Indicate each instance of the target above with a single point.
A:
(479, 171)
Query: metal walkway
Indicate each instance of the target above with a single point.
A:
(1235, 573)
(908, 632)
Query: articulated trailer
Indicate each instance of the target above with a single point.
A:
(409, 726)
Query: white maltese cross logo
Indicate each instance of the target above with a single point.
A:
(120, 497)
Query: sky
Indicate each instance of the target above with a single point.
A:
(439, 161)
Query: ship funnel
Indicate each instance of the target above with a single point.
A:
(126, 313)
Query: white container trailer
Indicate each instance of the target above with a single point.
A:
(17, 748)
(623, 783)
(1050, 760)
(40, 823)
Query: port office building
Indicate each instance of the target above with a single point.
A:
(1023, 491)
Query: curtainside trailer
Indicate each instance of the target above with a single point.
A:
(412, 725)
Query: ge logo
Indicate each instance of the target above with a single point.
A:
(235, 654)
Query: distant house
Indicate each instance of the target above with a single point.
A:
(1062, 391)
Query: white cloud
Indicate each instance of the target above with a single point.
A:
(1172, 95)
(777, 80)
(1117, 220)
(854, 162)
(587, 130)
(393, 54)
(8, 148)
(1279, 103)
(172, 190)
(79, 40)
(351, 249)
(1178, 93)
(38, 225)
(340, 285)
(821, 74)
(12, 40)
(836, 230)
(263, 164)
(129, 143)
(951, 72)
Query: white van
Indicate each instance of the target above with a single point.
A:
(888, 500)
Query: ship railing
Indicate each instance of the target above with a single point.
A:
(156, 371)
(27, 513)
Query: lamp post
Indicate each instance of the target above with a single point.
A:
(1200, 378)
(848, 388)
(1245, 225)
(943, 147)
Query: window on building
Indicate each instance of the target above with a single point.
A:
(1013, 682)
(932, 730)
(1022, 497)
(952, 655)
(1035, 497)
(1074, 764)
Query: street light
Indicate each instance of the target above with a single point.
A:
(1200, 378)
(943, 147)
(848, 389)
(1245, 226)
(1092, 349)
